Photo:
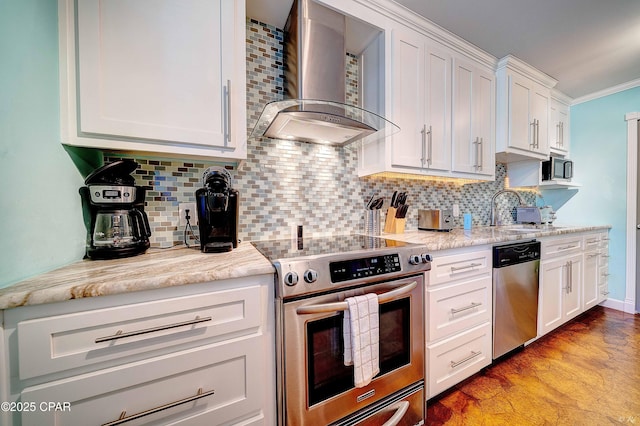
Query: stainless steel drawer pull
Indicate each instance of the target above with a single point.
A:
(228, 123)
(567, 247)
(120, 334)
(124, 418)
(454, 364)
(605, 293)
(343, 306)
(455, 269)
(466, 308)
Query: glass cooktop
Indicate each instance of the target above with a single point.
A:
(319, 246)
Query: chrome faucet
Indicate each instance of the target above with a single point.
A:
(494, 205)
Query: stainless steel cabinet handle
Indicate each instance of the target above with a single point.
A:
(455, 269)
(537, 134)
(423, 160)
(430, 151)
(124, 418)
(120, 335)
(562, 134)
(605, 293)
(533, 134)
(343, 306)
(570, 266)
(566, 247)
(227, 133)
(454, 364)
(400, 409)
(481, 154)
(466, 308)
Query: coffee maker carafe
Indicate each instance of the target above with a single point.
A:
(217, 212)
(113, 207)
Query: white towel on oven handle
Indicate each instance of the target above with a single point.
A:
(361, 335)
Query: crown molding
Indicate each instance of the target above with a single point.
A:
(522, 67)
(606, 92)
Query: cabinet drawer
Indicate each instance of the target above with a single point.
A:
(63, 342)
(561, 246)
(454, 308)
(459, 266)
(457, 358)
(210, 385)
(592, 241)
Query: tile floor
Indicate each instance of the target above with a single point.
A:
(587, 372)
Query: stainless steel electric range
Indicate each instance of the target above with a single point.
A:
(314, 276)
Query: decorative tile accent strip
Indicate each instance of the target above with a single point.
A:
(283, 184)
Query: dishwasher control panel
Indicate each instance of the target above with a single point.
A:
(512, 254)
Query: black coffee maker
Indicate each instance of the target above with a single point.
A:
(113, 208)
(217, 212)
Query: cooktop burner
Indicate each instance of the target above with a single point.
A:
(324, 263)
(319, 246)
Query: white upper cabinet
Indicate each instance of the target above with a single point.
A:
(559, 136)
(161, 76)
(523, 111)
(421, 102)
(443, 132)
(473, 119)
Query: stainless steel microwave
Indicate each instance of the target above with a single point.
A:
(557, 168)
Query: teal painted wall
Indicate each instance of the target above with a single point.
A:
(41, 224)
(599, 148)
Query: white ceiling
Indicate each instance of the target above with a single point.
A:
(587, 45)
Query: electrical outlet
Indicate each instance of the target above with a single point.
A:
(182, 213)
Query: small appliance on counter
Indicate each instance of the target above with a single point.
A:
(114, 216)
(535, 215)
(217, 206)
(435, 220)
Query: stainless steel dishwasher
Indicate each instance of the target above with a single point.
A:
(515, 295)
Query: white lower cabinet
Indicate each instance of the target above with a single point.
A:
(458, 357)
(208, 385)
(459, 302)
(187, 355)
(560, 288)
(573, 272)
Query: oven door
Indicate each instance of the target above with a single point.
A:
(318, 387)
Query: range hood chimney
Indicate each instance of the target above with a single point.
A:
(314, 108)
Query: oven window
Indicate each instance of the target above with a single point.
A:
(327, 374)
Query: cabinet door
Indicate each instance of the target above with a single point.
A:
(540, 115)
(473, 119)
(408, 99)
(590, 280)
(573, 297)
(152, 74)
(438, 62)
(520, 128)
(552, 289)
(558, 127)
(560, 292)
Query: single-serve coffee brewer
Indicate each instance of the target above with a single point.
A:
(217, 212)
(113, 208)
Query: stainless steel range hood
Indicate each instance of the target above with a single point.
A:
(314, 108)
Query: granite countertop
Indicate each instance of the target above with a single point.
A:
(482, 235)
(180, 266)
(157, 268)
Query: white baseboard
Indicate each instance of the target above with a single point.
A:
(619, 305)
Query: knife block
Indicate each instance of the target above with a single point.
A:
(398, 226)
(389, 220)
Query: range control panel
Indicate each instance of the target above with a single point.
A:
(364, 267)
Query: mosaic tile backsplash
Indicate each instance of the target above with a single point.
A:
(283, 184)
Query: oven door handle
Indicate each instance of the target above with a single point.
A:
(343, 306)
(400, 408)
